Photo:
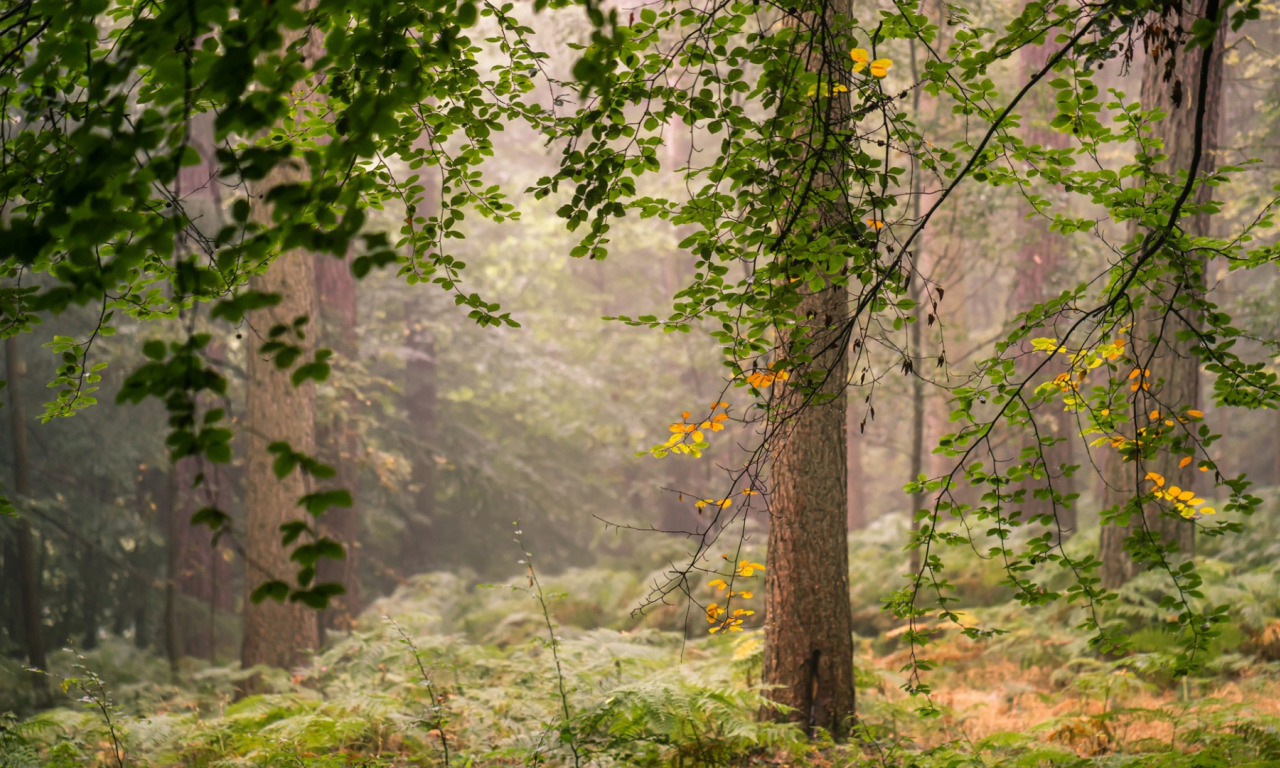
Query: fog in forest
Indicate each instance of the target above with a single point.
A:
(528, 568)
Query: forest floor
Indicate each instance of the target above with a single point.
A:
(445, 673)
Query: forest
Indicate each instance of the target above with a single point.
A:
(679, 383)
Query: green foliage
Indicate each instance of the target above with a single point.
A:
(439, 659)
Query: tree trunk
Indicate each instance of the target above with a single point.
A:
(420, 374)
(279, 634)
(1040, 261)
(338, 442)
(808, 653)
(1175, 371)
(808, 630)
(173, 562)
(29, 583)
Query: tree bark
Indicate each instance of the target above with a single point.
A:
(29, 583)
(277, 634)
(808, 652)
(338, 442)
(420, 374)
(173, 563)
(808, 631)
(1175, 371)
(1040, 261)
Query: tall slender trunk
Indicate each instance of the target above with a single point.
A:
(338, 442)
(808, 653)
(173, 562)
(1040, 261)
(29, 583)
(421, 394)
(1175, 371)
(918, 498)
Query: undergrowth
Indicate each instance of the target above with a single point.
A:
(443, 673)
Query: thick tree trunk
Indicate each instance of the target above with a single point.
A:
(1175, 372)
(808, 653)
(30, 572)
(338, 442)
(808, 631)
(277, 634)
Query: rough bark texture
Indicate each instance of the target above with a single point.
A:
(278, 634)
(808, 650)
(274, 633)
(1175, 373)
(1040, 263)
(338, 442)
(29, 569)
(808, 630)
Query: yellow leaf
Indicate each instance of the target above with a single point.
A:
(1186, 496)
(1208, 511)
(1185, 461)
(880, 67)
(860, 58)
(741, 612)
(746, 595)
(1196, 502)
(1195, 414)
(697, 436)
(875, 224)
(1174, 491)
(719, 584)
(1156, 478)
(684, 415)
(750, 492)
(1155, 415)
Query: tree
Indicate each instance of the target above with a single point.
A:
(275, 632)
(337, 438)
(808, 654)
(1041, 261)
(420, 406)
(1164, 332)
(28, 569)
